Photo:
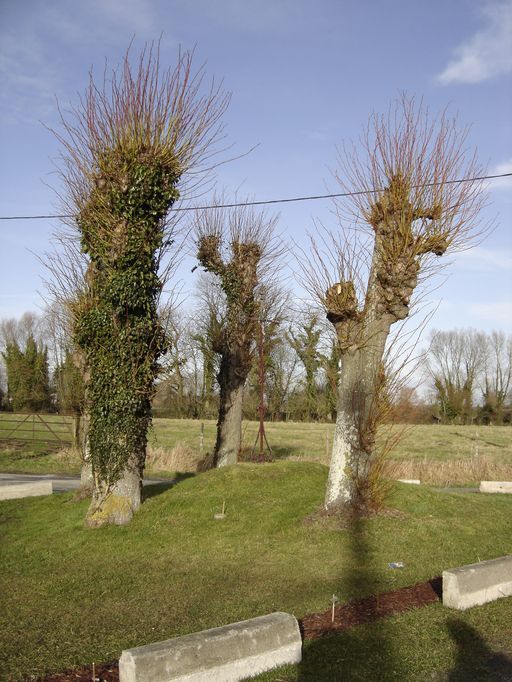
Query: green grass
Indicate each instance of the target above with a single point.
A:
(71, 596)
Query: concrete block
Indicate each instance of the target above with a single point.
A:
(223, 654)
(496, 486)
(476, 584)
(12, 491)
(414, 481)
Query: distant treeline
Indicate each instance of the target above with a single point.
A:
(467, 374)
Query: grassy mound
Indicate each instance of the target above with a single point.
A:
(72, 596)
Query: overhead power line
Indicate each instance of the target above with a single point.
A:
(278, 201)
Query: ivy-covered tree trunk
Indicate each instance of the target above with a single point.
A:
(117, 327)
(229, 424)
(128, 144)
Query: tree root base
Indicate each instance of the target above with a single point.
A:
(114, 510)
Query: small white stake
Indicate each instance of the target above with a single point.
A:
(333, 600)
(222, 514)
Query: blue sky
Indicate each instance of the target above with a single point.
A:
(304, 77)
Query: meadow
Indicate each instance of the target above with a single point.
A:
(436, 454)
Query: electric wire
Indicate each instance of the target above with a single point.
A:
(266, 202)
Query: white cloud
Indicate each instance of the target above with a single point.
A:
(482, 259)
(486, 54)
(494, 314)
(32, 70)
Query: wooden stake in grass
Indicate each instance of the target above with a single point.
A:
(222, 514)
(334, 600)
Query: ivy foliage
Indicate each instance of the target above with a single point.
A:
(117, 326)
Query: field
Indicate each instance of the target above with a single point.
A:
(436, 454)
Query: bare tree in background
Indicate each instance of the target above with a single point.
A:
(18, 330)
(497, 376)
(406, 211)
(132, 146)
(239, 247)
(305, 339)
(456, 360)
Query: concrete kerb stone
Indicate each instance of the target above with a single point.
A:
(13, 491)
(224, 654)
(496, 487)
(477, 584)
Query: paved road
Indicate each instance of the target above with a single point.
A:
(61, 484)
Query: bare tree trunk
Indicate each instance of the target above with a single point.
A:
(86, 476)
(344, 446)
(117, 503)
(358, 411)
(229, 424)
(117, 493)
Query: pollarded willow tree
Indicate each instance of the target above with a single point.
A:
(238, 246)
(130, 147)
(407, 209)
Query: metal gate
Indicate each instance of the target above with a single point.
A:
(45, 428)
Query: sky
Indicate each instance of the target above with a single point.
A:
(304, 79)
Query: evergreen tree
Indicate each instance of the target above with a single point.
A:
(69, 386)
(28, 384)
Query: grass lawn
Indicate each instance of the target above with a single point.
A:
(71, 596)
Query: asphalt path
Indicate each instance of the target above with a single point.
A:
(62, 484)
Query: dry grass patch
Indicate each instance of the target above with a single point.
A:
(451, 472)
(68, 457)
(179, 458)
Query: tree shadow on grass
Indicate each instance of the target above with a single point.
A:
(475, 660)
(477, 440)
(360, 653)
(154, 489)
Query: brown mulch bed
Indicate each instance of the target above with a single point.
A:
(366, 610)
(103, 672)
(312, 626)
